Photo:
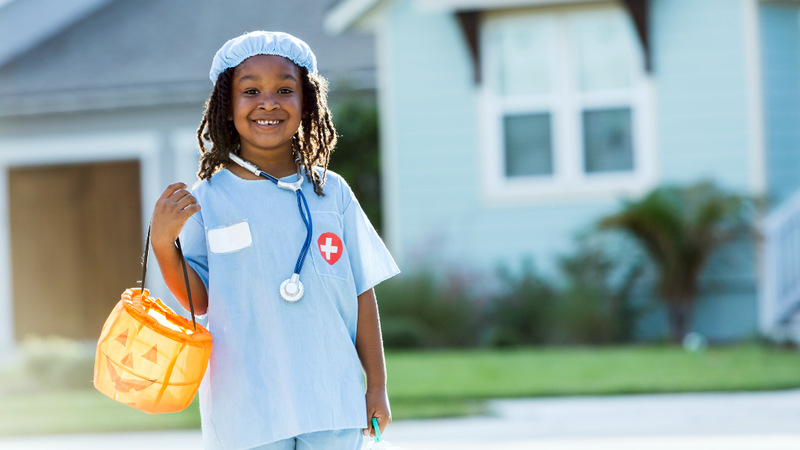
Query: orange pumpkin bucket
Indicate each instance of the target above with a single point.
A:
(149, 357)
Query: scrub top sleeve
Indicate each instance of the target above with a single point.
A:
(369, 259)
(193, 243)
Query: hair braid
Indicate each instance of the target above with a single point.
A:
(216, 128)
(312, 144)
(316, 137)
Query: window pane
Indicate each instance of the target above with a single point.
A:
(607, 140)
(528, 145)
(524, 49)
(605, 48)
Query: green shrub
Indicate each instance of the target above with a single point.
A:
(53, 363)
(524, 313)
(595, 306)
(419, 312)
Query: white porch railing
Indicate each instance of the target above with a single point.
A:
(780, 278)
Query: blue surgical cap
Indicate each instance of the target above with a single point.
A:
(262, 43)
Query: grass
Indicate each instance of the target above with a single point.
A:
(482, 374)
(84, 410)
(453, 383)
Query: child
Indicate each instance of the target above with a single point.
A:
(291, 333)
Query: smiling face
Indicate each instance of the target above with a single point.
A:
(266, 102)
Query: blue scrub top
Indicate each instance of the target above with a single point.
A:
(281, 369)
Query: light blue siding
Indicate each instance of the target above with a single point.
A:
(699, 63)
(780, 53)
(702, 125)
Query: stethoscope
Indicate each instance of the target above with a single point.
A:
(291, 289)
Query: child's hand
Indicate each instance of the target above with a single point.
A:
(173, 209)
(377, 407)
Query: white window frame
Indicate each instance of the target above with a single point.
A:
(566, 106)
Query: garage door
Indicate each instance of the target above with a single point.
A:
(76, 242)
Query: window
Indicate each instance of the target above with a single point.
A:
(565, 103)
(527, 144)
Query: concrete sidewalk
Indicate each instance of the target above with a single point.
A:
(730, 421)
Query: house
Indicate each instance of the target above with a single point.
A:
(100, 101)
(509, 125)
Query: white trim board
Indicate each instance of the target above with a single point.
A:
(755, 98)
(186, 155)
(348, 13)
(74, 149)
(490, 5)
(390, 170)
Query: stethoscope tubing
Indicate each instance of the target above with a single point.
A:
(309, 227)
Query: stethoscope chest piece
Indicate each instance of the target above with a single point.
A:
(292, 289)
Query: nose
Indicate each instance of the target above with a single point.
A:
(269, 102)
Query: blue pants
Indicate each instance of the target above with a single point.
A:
(350, 439)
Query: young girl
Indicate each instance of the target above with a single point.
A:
(283, 262)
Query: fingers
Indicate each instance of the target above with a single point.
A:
(171, 189)
(183, 199)
(383, 422)
(174, 207)
(190, 210)
(368, 431)
(176, 198)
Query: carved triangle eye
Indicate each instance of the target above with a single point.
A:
(152, 355)
(123, 337)
(128, 360)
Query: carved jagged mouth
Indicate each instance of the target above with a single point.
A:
(126, 386)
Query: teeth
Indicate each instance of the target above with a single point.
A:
(268, 122)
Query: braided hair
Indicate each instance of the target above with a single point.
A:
(312, 144)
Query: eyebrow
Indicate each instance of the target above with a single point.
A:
(249, 77)
(255, 77)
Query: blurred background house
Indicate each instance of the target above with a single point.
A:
(507, 126)
(99, 105)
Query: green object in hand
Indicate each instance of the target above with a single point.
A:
(377, 429)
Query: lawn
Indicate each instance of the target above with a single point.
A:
(452, 383)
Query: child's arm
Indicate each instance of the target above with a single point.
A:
(369, 346)
(174, 207)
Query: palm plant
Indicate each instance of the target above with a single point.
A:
(680, 228)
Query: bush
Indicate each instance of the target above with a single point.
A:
(523, 314)
(596, 306)
(57, 363)
(419, 312)
(593, 306)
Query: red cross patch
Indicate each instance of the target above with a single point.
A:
(330, 247)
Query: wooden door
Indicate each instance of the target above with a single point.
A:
(76, 243)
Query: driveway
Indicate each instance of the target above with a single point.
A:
(729, 421)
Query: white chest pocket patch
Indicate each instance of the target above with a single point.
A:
(229, 239)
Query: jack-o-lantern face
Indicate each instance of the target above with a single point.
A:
(123, 385)
(149, 359)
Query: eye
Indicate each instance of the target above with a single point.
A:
(251, 91)
(285, 91)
